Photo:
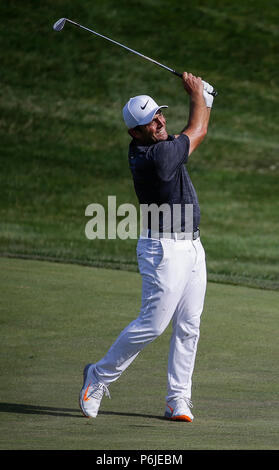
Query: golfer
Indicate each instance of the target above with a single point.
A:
(170, 254)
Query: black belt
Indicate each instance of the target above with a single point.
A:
(174, 236)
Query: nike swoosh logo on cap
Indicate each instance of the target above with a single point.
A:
(143, 107)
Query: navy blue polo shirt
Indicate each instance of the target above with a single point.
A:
(160, 175)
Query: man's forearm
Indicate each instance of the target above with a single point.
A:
(198, 114)
(197, 126)
(200, 108)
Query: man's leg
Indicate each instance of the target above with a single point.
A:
(186, 330)
(162, 266)
(165, 267)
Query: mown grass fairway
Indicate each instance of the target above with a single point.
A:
(55, 318)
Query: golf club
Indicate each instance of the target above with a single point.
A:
(59, 25)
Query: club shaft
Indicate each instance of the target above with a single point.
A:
(122, 45)
(214, 92)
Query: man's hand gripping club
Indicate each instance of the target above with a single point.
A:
(200, 107)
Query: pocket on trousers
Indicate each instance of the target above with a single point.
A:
(150, 251)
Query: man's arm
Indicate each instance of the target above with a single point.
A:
(199, 114)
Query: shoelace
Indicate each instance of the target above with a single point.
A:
(98, 390)
(187, 401)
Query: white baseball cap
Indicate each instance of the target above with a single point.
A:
(140, 110)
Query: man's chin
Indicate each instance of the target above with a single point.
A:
(161, 136)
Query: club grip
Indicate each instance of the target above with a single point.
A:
(213, 93)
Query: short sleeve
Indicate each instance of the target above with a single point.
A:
(169, 155)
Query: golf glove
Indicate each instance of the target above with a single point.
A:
(208, 99)
(207, 89)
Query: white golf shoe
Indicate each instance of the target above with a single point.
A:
(92, 392)
(178, 409)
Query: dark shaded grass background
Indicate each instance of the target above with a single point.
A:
(64, 146)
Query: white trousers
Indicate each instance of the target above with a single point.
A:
(173, 288)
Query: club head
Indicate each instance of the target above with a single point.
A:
(59, 24)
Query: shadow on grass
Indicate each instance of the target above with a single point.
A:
(38, 410)
(66, 412)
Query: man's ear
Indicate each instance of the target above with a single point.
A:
(135, 133)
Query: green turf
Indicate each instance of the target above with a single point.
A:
(55, 318)
(64, 146)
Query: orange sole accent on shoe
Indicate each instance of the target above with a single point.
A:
(181, 418)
